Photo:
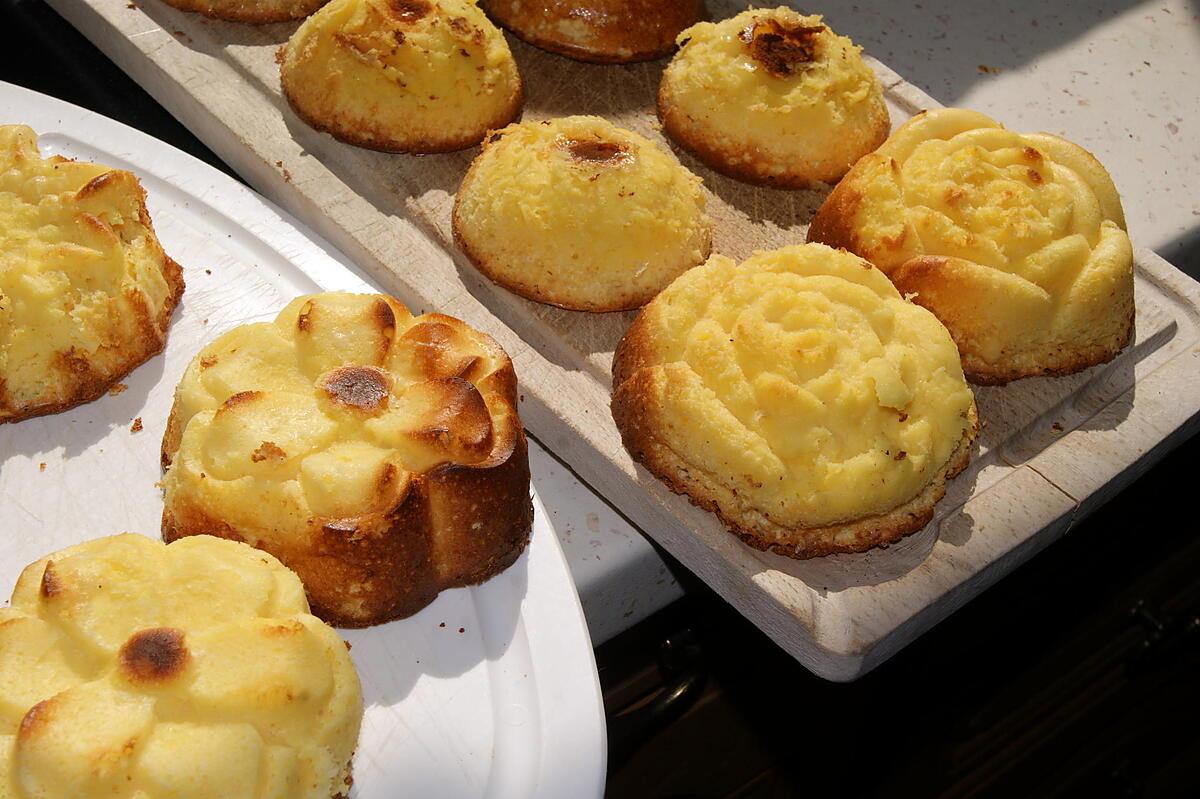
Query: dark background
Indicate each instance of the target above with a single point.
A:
(1075, 676)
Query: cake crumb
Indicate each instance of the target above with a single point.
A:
(136, 427)
(42, 466)
(116, 389)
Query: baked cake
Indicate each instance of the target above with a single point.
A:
(799, 397)
(580, 213)
(377, 454)
(414, 76)
(133, 669)
(253, 11)
(772, 96)
(601, 31)
(86, 291)
(1015, 241)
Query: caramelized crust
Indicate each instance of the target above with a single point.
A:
(378, 454)
(599, 31)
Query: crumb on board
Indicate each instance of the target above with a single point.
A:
(116, 389)
(42, 466)
(987, 70)
(208, 271)
(462, 630)
(1056, 427)
(136, 427)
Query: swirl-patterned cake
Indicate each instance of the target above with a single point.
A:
(774, 97)
(413, 76)
(1015, 241)
(133, 669)
(580, 213)
(798, 396)
(86, 291)
(256, 12)
(601, 31)
(377, 454)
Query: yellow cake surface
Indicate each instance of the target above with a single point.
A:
(772, 96)
(799, 396)
(137, 670)
(601, 31)
(377, 454)
(417, 76)
(86, 291)
(1015, 241)
(252, 11)
(580, 213)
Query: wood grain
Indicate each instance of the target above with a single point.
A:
(1050, 449)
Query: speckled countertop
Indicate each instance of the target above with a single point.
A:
(1120, 78)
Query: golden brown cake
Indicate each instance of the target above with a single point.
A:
(1015, 241)
(580, 213)
(799, 397)
(253, 11)
(774, 97)
(133, 669)
(376, 453)
(412, 76)
(601, 31)
(86, 291)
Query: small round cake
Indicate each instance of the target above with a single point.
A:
(256, 12)
(86, 291)
(377, 454)
(579, 213)
(410, 76)
(600, 31)
(798, 396)
(1015, 241)
(773, 97)
(129, 668)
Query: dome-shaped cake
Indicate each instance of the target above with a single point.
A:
(377, 454)
(1015, 241)
(256, 12)
(413, 76)
(86, 291)
(133, 669)
(601, 31)
(580, 213)
(798, 396)
(774, 97)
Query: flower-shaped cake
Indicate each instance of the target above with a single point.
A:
(377, 454)
(799, 396)
(86, 291)
(1015, 241)
(133, 669)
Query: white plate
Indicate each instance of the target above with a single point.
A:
(490, 691)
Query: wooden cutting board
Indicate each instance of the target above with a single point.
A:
(1050, 450)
